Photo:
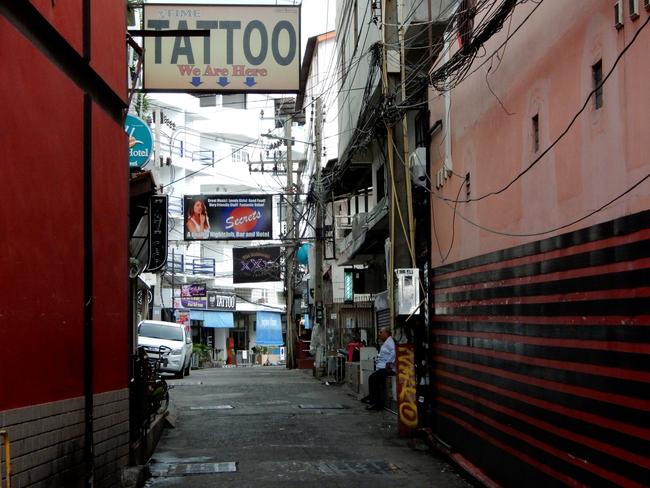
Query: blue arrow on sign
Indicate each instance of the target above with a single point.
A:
(196, 80)
(250, 81)
(223, 81)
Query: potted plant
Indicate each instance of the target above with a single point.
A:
(261, 354)
(202, 352)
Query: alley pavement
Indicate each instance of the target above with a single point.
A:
(272, 427)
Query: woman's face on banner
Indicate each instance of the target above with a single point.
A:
(199, 208)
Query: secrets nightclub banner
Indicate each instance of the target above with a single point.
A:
(228, 217)
(255, 265)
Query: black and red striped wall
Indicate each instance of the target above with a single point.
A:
(542, 358)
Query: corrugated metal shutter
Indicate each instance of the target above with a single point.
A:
(383, 318)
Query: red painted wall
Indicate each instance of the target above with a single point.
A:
(108, 53)
(110, 236)
(41, 224)
(66, 17)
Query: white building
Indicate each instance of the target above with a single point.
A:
(208, 150)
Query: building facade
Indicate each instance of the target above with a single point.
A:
(195, 159)
(524, 154)
(64, 333)
(540, 201)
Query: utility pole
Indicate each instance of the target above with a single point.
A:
(291, 255)
(318, 244)
(402, 254)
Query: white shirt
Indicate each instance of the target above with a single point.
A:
(199, 234)
(386, 353)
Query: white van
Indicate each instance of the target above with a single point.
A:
(155, 333)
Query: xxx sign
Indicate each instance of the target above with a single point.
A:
(140, 141)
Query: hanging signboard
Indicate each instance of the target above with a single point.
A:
(255, 265)
(250, 48)
(157, 233)
(348, 286)
(194, 303)
(219, 300)
(193, 290)
(228, 217)
(140, 141)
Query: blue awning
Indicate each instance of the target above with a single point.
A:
(218, 320)
(269, 329)
(196, 314)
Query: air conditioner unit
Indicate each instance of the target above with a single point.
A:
(418, 162)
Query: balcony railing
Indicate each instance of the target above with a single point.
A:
(200, 266)
(193, 265)
(175, 263)
(175, 206)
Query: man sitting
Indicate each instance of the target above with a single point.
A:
(383, 368)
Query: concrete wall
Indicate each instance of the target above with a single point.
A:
(539, 374)
(545, 69)
(352, 75)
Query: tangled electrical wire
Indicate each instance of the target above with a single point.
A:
(472, 39)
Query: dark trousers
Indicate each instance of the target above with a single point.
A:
(377, 386)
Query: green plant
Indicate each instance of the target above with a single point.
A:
(141, 104)
(131, 5)
(261, 350)
(201, 351)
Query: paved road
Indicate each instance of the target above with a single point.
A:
(283, 428)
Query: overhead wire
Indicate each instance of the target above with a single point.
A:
(567, 128)
(550, 230)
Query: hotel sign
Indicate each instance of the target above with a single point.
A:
(251, 48)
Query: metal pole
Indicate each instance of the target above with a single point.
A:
(391, 167)
(291, 230)
(157, 119)
(405, 146)
(318, 244)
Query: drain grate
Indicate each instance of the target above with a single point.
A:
(356, 468)
(213, 407)
(335, 406)
(187, 469)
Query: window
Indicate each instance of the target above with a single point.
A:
(260, 295)
(465, 21)
(238, 155)
(634, 9)
(535, 132)
(422, 128)
(618, 15)
(597, 84)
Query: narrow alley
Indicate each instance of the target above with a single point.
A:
(442, 206)
(277, 428)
